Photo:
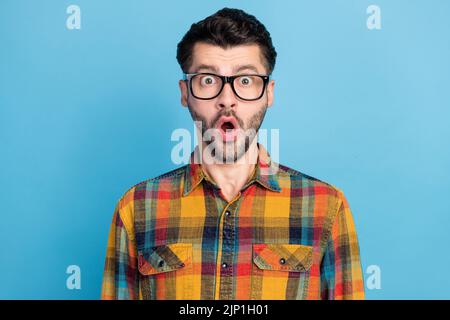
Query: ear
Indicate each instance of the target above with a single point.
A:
(270, 93)
(184, 92)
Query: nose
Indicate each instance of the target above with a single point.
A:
(227, 98)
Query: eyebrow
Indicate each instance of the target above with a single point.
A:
(246, 67)
(205, 67)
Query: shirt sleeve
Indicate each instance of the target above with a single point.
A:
(341, 272)
(120, 276)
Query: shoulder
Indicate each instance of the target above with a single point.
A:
(310, 185)
(327, 198)
(167, 177)
(139, 192)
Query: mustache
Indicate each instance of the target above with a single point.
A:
(227, 113)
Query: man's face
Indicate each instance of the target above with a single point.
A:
(230, 143)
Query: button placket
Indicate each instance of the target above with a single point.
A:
(228, 234)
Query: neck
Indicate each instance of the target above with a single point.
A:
(231, 177)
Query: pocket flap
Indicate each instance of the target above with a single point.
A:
(164, 258)
(282, 257)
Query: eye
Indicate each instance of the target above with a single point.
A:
(245, 81)
(207, 80)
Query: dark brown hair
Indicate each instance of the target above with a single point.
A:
(227, 28)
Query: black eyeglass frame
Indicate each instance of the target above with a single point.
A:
(225, 80)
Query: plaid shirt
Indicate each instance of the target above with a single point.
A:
(285, 235)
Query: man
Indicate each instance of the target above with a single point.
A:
(231, 224)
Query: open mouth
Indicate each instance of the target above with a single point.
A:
(227, 126)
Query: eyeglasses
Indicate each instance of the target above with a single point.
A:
(207, 86)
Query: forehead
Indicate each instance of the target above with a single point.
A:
(227, 61)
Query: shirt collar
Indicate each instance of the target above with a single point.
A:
(265, 172)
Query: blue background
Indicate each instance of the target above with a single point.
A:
(85, 114)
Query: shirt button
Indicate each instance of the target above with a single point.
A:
(224, 265)
(282, 261)
(227, 213)
(161, 263)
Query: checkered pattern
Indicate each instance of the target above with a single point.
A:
(286, 235)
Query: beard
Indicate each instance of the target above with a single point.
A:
(229, 151)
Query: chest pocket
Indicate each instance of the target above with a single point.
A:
(166, 272)
(280, 271)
